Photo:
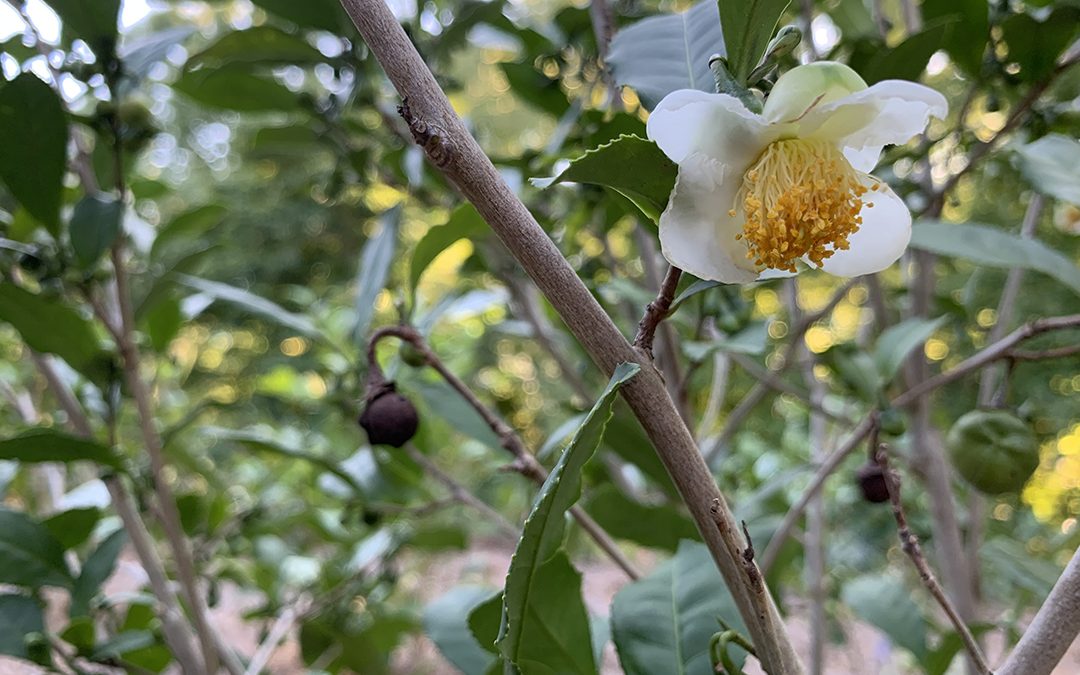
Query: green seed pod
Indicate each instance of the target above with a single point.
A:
(411, 355)
(994, 450)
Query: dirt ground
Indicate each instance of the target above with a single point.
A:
(865, 652)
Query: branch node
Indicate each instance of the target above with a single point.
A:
(434, 140)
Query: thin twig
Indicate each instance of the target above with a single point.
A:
(910, 544)
(668, 360)
(278, 630)
(461, 494)
(524, 461)
(657, 310)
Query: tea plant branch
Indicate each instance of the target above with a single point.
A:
(758, 392)
(1053, 629)
(278, 630)
(657, 310)
(178, 633)
(459, 493)
(668, 363)
(450, 147)
(910, 544)
(524, 461)
(1002, 349)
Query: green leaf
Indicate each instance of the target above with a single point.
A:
(748, 27)
(321, 14)
(907, 60)
(1035, 43)
(886, 603)
(897, 342)
(94, 225)
(1049, 165)
(661, 54)
(74, 526)
(48, 326)
(233, 88)
(965, 46)
(663, 622)
(653, 526)
(464, 223)
(124, 643)
(98, 567)
(162, 322)
(632, 166)
(535, 88)
(47, 445)
(375, 260)
(543, 623)
(699, 286)
(485, 620)
(20, 616)
(985, 245)
(254, 304)
(442, 400)
(262, 45)
(29, 555)
(186, 227)
(750, 340)
(92, 20)
(446, 622)
(33, 134)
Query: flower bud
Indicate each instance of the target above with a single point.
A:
(871, 481)
(389, 418)
(805, 86)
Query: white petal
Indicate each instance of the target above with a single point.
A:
(718, 125)
(696, 233)
(890, 112)
(863, 159)
(880, 240)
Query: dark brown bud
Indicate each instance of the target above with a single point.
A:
(872, 483)
(388, 417)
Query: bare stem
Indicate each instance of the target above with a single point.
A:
(524, 461)
(657, 310)
(461, 494)
(1053, 629)
(910, 544)
(448, 145)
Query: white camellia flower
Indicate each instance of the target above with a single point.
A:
(758, 193)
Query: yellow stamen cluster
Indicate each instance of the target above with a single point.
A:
(801, 199)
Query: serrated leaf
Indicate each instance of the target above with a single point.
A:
(47, 445)
(634, 167)
(663, 622)
(29, 555)
(886, 603)
(661, 54)
(748, 27)
(261, 45)
(98, 567)
(233, 88)
(254, 304)
(1050, 166)
(464, 223)
(985, 245)
(538, 584)
(48, 326)
(375, 260)
(20, 616)
(33, 135)
(446, 622)
(897, 342)
(94, 225)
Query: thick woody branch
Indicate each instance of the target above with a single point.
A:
(524, 461)
(450, 147)
(1053, 629)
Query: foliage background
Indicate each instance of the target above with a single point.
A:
(275, 212)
